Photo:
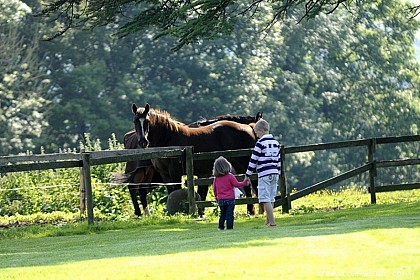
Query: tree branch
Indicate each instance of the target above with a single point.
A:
(415, 11)
(187, 20)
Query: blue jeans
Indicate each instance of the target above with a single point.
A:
(227, 206)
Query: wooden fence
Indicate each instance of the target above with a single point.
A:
(85, 160)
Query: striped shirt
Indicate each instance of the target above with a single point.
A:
(265, 157)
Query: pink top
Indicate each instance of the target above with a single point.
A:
(223, 186)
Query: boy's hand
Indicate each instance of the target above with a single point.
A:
(248, 180)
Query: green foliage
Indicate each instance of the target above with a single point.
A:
(157, 199)
(39, 191)
(23, 82)
(113, 202)
(49, 191)
(187, 21)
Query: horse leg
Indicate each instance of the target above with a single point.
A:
(133, 194)
(250, 207)
(248, 193)
(144, 175)
(241, 165)
(202, 191)
(175, 175)
(143, 199)
(260, 205)
(140, 176)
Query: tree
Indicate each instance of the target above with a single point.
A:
(91, 88)
(355, 71)
(188, 21)
(23, 82)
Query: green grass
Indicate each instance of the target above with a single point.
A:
(374, 241)
(349, 197)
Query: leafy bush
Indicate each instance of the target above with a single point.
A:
(48, 191)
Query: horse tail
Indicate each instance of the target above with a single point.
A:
(120, 178)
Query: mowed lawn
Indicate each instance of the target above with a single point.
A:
(376, 241)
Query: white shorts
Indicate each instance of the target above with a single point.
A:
(267, 188)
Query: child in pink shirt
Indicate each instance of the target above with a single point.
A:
(224, 185)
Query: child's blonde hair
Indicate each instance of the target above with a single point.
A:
(262, 126)
(221, 167)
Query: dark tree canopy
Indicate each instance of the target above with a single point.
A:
(186, 20)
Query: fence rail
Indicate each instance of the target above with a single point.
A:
(85, 160)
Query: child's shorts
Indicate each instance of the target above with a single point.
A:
(267, 188)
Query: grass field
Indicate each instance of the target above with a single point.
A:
(373, 241)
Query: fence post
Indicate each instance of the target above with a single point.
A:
(82, 195)
(372, 170)
(88, 186)
(189, 165)
(283, 190)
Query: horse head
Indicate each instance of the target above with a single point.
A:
(258, 116)
(141, 123)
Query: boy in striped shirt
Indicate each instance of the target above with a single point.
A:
(265, 159)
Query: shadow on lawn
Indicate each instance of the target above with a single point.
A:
(161, 240)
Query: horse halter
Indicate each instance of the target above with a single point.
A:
(141, 124)
(253, 131)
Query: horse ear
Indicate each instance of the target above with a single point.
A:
(259, 116)
(146, 108)
(134, 108)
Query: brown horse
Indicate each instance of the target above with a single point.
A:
(156, 128)
(142, 176)
(239, 119)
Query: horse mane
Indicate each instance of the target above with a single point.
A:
(164, 118)
(161, 113)
(161, 117)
